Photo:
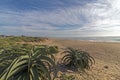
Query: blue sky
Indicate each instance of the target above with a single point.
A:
(60, 18)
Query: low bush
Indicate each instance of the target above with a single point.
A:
(79, 60)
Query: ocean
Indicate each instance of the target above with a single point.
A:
(98, 39)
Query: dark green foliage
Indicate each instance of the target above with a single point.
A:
(6, 43)
(48, 49)
(26, 39)
(65, 77)
(13, 40)
(80, 60)
(25, 62)
(7, 55)
(53, 49)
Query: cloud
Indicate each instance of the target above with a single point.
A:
(99, 18)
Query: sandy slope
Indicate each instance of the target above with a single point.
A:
(106, 54)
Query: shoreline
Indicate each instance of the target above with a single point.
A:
(96, 41)
(93, 38)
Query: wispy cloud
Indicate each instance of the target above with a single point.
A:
(96, 18)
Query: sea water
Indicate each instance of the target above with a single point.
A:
(99, 39)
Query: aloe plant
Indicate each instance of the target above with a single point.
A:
(80, 60)
(67, 77)
(7, 55)
(34, 65)
(53, 49)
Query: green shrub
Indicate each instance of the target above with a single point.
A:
(25, 39)
(66, 77)
(80, 60)
(7, 55)
(53, 49)
(31, 66)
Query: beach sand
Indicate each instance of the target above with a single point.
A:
(106, 54)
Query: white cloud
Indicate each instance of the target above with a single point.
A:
(93, 19)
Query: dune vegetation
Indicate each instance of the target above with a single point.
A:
(38, 62)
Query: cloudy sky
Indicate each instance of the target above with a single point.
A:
(60, 18)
